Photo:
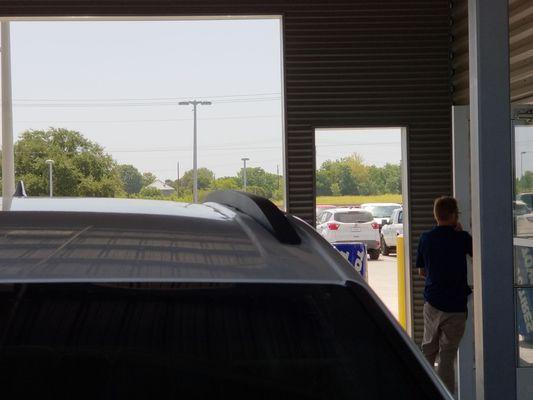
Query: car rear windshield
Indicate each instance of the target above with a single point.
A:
(201, 341)
(382, 211)
(353, 217)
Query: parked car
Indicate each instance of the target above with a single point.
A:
(526, 198)
(126, 299)
(345, 225)
(520, 208)
(523, 219)
(381, 211)
(390, 231)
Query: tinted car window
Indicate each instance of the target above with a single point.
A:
(520, 208)
(325, 216)
(526, 198)
(353, 217)
(216, 341)
(381, 211)
(400, 217)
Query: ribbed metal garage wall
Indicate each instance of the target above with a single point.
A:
(348, 63)
(521, 48)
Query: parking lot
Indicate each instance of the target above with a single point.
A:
(382, 277)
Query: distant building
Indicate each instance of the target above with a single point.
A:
(162, 187)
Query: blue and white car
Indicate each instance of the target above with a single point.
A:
(123, 299)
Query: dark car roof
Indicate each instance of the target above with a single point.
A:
(115, 205)
(142, 240)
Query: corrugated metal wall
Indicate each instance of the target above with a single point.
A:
(348, 63)
(521, 48)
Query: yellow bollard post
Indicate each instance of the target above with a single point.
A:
(400, 258)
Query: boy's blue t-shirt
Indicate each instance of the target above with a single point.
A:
(442, 253)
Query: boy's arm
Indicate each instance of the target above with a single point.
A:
(420, 258)
(468, 244)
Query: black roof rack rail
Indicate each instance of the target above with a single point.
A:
(261, 210)
(20, 190)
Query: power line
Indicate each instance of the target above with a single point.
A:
(166, 103)
(252, 147)
(188, 149)
(145, 120)
(145, 98)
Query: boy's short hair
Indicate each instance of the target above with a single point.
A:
(445, 208)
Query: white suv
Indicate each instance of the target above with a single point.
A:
(381, 211)
(346, 225)
(390, 232)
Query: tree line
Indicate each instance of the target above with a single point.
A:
(259, 182)
(83, 169)
(524, 183)
(350, 176)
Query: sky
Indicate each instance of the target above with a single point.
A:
(118, 83)
(377, 146)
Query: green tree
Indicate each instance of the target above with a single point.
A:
(359, 172)
(336, 173)
(257, 190)
(150, 192)
(350, 176)
(335, 189)
(258, 177)
(225, 183)
(132, 179)
(323, 182)
(148, 178)
(392, 178)
(524, 183)
(81, 167)
(346, 180)
(205, 179)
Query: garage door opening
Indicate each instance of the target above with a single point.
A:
(106, 108)
(364, 170)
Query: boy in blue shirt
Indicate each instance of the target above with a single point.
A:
(442, 261)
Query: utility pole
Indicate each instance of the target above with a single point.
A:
(50, 176)
(178, 185)
(195, 104)
(277, 173)
(8, 162)
(244, 173)
(522, 162)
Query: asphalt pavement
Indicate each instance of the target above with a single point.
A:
(383, 279)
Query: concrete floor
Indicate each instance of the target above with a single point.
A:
(383, 278)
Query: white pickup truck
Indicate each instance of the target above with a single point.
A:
(390, 231)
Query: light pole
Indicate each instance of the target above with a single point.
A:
(50, 176)
(522, 162)
(195, 104)
(244, 173)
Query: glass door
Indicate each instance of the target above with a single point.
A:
(523, 232)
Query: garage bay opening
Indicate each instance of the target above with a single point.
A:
(167, 109)
(360, 202)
